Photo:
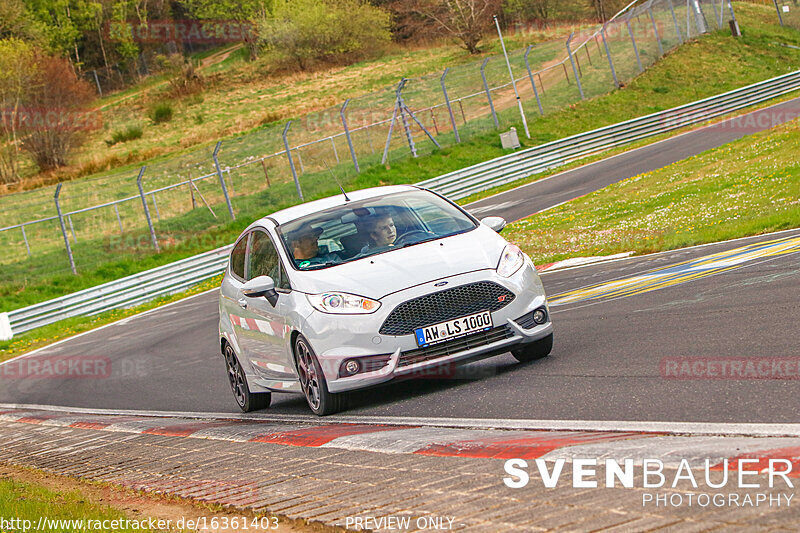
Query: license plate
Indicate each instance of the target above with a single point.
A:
(452, 329)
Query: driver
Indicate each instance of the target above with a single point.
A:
(305, 246)
(381, 232)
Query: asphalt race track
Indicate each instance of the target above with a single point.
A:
(612, 340)
(528, 199)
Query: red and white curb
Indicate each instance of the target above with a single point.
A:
(549, 445)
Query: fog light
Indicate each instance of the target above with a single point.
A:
(352, 367)
(539, 316)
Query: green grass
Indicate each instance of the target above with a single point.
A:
(701, 68)
(28, 502)
(128, 134)
(747, 187)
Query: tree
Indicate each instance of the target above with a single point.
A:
(525, 10)
(17, 65)
(57, 101)
(466, 20)
(301, 32)
(245, 12)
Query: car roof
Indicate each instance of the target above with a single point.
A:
(298, 211)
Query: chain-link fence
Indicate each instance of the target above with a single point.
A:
(110, 217)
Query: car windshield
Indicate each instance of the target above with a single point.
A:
(368, 227)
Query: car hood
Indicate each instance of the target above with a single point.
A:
(382, 274)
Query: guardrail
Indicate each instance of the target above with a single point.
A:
(168, 279)
(125, 292)
(462, 183)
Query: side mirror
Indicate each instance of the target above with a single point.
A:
(261, 286)
(495, 223)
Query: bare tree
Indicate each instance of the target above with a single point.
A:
(466, 20)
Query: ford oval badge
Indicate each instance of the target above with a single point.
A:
(440, 284)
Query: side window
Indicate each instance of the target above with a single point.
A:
(237, 258)
(263, 259)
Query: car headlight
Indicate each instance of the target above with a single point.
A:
(511, 260)
(342, 303)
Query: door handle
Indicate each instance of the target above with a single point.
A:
(242, 303)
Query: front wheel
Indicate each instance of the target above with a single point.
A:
(247, 401)
(535, 350)
(312, 380)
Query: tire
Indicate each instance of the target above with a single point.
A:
(312, 380)
(535, 350)
(246, 400)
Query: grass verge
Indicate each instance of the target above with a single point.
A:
(28, 494)
(747, 187)
(26, 503)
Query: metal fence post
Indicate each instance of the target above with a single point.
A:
(291, 161)
(64, 230)
(574, 69)
(222, 180)
(347, 135)
(391, 124)
(778, 9)
(717, 18)
(449, 107)
(608, 54)
(533, 83)
(406, 126)
(119, 219)
(635, 48)
(513, 80)
(733, 17)
(25, 238)
(675, 21)
(147, 210)
(97, 82)
(488, 93)
(335, 153)
(655, 29)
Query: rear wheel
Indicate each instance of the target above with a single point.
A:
(312, 380)
(247, 401)
(535, 350)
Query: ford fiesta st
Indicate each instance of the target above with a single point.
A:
(358, 289)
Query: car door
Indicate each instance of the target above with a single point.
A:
(231, 292)
(263, 326)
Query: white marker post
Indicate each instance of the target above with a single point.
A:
(513, 81)
(5, 328)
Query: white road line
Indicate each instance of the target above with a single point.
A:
(115, 323)
(676, 250)
(680, 428)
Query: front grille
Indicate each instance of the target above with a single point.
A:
(446, 305)
(461, 344)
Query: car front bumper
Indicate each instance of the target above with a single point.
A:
(336, 339)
